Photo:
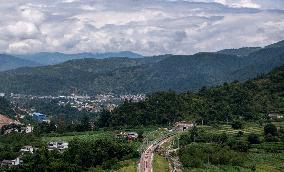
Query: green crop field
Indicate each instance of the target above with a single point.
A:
(248, 128)
(263, 157)
(94, 135)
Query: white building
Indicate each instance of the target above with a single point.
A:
(29, 128)
(27, 149)
(61, 145)
(183, 125)
(13, 162)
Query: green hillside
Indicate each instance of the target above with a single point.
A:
(249, 101)
(160, 73)
(8, 62)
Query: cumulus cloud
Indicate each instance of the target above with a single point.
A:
(146, 27)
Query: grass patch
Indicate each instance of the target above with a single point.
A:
(94, 135)
(160, 164)
(266, 161)
(128, 166)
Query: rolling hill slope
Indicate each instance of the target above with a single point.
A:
(47, 58)
(125, 75)
(8, 62)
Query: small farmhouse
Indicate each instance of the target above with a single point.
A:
(183, 125)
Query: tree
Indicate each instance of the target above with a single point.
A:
(253, 138)
(85, 123)
(237, 125)
(270, 129)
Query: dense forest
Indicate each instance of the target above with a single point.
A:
(144, 75)
(6, 108)
(251, 100)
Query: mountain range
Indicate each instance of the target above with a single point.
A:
(47, 58)
(8, 62)
(143, 75)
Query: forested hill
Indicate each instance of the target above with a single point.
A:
(240, 51)
(149, 74)
(6, 108)
(8, 62)
(47, 58)
(248, 101)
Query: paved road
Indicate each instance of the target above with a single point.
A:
(145, 164)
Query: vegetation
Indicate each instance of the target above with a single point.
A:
(229, 103)
(81, 154)
(8, 62)
(12, 143)
(195, 155)
(142, 75)
(234, 132)
(6, 107)
(160, 164)
(219, 149)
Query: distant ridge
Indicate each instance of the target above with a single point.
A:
(51, 58)
(8, 62)
(144, 75)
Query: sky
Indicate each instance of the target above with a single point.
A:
(148, 27)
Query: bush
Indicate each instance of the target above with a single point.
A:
(237, 125)
(253, 139)
(196, 155)
(241, 146)
(270, 138)
(240, 133)
(270, 129)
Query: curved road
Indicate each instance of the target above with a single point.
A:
(145, 164)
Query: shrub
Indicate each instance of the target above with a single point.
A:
(241, 146)
(240, 133)
(237, 125)
(270, 129)
(270, 138)
(196, 155)
(253, 138)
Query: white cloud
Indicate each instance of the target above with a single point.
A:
(147, 27)
(21, 30)
(24, 46)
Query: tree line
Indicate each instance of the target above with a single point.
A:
(251, 100)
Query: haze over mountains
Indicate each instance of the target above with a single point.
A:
(144, 75)
(46, 58)
(8, 62)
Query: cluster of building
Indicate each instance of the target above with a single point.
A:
(90, 103)
(59, 146)
(275, 116)
(18, 160)
(14, 125)
(127, 135)
(39, 117)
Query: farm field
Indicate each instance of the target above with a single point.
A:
(263, 157)
(93, 135)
